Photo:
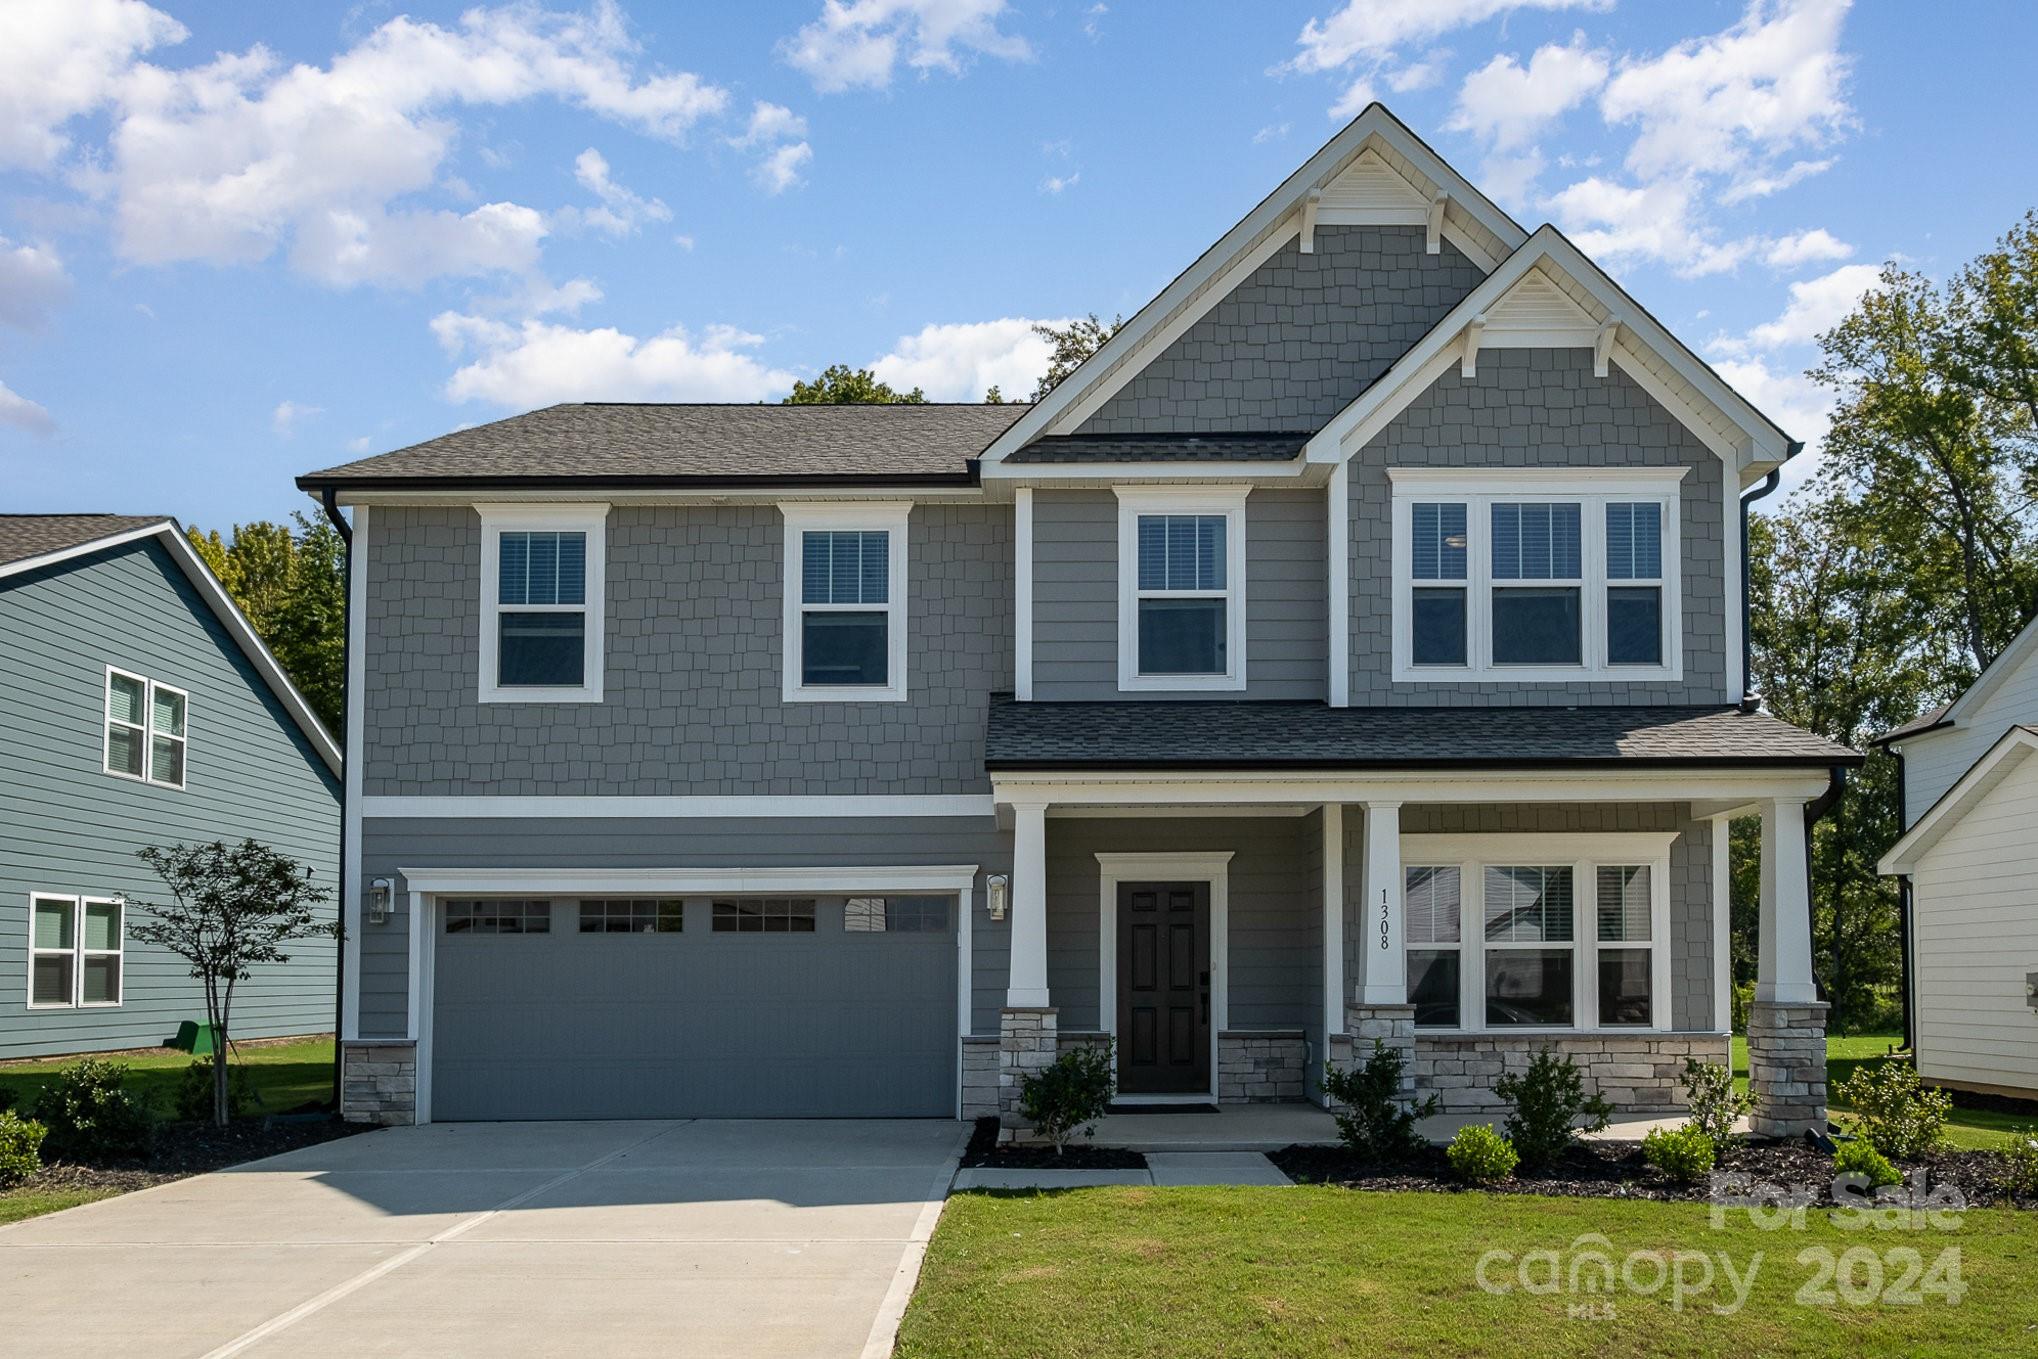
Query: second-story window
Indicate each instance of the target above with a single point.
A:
(1538, 578)
(145, 734)
(845, 617)
(542, 604)
(1181, 613)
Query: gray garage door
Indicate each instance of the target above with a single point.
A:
(795, 1007)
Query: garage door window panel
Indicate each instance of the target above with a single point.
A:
(765, 915)
(895, 915)
(632, 915)
(506, 915)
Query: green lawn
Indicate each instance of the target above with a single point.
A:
(16, 1204)
(1183, 1273)
(1968, 1129)
(286, 1076)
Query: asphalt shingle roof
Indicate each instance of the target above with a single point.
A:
(1239, 734)
(31, 535)
(1921, 722)
(1279, 446)
(683, 443)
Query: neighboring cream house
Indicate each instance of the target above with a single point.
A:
(1969, 858)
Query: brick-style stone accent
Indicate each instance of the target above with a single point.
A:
(1639, 1074)
(1391, 1025)
(379, 1082)
(980, 1076)
(1068, 1040)
(1260, 1067)
(1787, 1068)
(1027, 1043)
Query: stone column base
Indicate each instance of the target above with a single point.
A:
(1260, 1066)
(1787, 1068)
(379, 1081)
(1392, 1026)
(1028, 1041)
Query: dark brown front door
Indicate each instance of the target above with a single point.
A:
(1163, 988)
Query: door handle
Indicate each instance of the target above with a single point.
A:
(1206, 1006)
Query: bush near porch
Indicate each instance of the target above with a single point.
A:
(1967, 1129)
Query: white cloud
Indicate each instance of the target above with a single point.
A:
(1614, 222)
(60, 59)
(963, 361)
(1366, 38)
(358, 445)
(778, 131)
(537, 362)
(1816, 305)
(1054, 184)
(1507, 104)
(618, 212)
(1800, 407)
(32, 283)
(781, 169)
(770, 123)
(284, 419)
(1761, 186)
(858, 44)
(1817, 246)
(1272, 132)
(18, 411)
(1093, 21)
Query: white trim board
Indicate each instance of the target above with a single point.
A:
(2012, 749)
(1197, 788)
(681, 806)
(2006, 664)
(350, 801)
(1211, 867)
(1227, 502)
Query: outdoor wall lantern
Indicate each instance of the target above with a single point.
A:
(379, 893)
(2031, 989)
(997, 891)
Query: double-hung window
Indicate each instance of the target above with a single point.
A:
(541, 604)
(845, 595)
(1526, 931)
(145, 729)
(75, 951)
(1536, 577)
(1181, 589)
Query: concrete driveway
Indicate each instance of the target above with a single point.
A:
(692, 1238)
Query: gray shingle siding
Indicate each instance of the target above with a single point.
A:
(1293, 344)
(1538, 408)
(66, 827)
(1075, 597)
(693, 654)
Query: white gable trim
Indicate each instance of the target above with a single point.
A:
(2021, 649)
(1654, 358)
(223, 607)
(2016, 746)
(1469, 219)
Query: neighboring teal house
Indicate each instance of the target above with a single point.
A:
(137, 707)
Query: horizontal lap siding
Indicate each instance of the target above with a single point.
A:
(1976, 895)
(67, 827)
(1934, 762)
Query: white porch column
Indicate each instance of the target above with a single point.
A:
(1333, 918)
(1382, 936)
(1027, 984)
(1783, 959)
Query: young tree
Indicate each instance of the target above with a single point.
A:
(232, 909)
(1071, 344)
(841, 385)
(291, 583)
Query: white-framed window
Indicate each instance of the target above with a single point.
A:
(542, 596)
(146, 732)
(1536, 576)
(1528, 932)
(845, 602)
(75, 951)
(1181, 587)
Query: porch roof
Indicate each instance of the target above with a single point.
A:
(1238, 734)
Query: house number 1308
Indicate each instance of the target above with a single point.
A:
(1383, 918)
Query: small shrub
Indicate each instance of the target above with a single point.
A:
(2020, 1169)
(1685, 1154)
(1373, 1119)
(194, 1091)
(1479, 1155)
(1715, 1104)
(1900, 1116)
(20, 1148)
(1068, 1095)
(1550, 1109)
(90, 1115)
(1859, 1158)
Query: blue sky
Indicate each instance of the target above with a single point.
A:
(238, 242)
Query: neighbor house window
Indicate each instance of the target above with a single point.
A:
(75, 951)
(1525, 931)
(1535, 577)
(541, 626)
(1181, 614)
(505, 915)
(845, 618)
(145, 729)
(895, 915)
(765, 915)
(632, 916)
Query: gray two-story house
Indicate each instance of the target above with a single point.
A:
(1353, 648)
(139, 708)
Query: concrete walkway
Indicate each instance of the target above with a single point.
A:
(611, 1239)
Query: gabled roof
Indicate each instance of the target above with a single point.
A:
(1450, 201)
(2022, 647)
(645, 444)
(30, 542)
(1995, 765)
(1548, 293)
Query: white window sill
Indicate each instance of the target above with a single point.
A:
(844, 693)
(1537, 674)
(1149, 684)
(539, 695)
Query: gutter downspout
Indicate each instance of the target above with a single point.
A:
(1903, 907)
(1750, 700)
(329, 501)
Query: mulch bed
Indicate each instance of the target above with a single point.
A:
(1616, 1170)
(984, 1152)
(184, 1149)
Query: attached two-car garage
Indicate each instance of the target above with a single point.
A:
(683, 1006)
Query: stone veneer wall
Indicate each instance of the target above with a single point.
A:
(1637, 1073)
(979, 1076)
(1027, 1042)
(379, 1081)
(1787, 1068)
(1261, 1066)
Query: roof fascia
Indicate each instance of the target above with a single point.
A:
(1995, 763)
(1989, 680)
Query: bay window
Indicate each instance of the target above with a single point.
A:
(845, 597)
(541, 603)
(1181, 588)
